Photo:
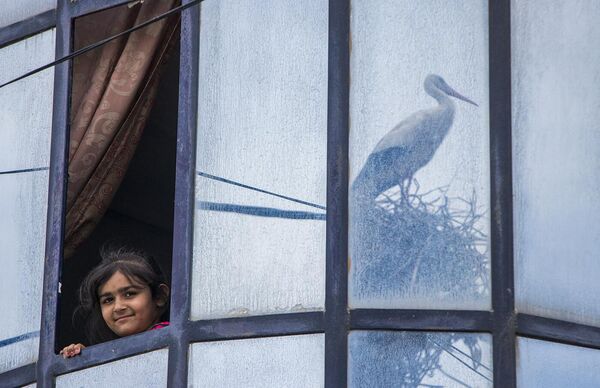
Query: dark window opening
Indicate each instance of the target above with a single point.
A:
(140, 214)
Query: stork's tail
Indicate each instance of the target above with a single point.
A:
(363, 188)
(376, 176)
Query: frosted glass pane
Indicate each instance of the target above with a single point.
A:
(419, 168)
(542, 364)
(15, 11)
(146, 370)
(419, 359)
(23, 204)
(26, 105)
(556, 116)
(261, 122)
(291, 361)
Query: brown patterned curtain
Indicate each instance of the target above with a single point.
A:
(113, 91)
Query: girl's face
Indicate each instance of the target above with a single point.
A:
(127, 306)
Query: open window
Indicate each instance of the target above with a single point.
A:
(122, 146)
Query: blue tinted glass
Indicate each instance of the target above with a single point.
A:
(550, 365)
(24, 155)
(262, 136)
(295, 361)
(147, 370)
(419, 155)
(556, 143)
(419, 359)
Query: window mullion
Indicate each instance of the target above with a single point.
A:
(56, 199)
(183, 225)
(501, 195)
(336, 300)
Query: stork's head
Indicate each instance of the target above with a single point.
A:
(434, 84)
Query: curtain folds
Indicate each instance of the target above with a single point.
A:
(114, 88)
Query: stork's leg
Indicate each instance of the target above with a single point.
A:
(404, 186)
(405, 190)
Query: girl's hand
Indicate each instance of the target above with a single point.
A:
(72, 350)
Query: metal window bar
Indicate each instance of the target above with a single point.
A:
(183, 225)
(556, 330)
(336, 283)
(28, 27)
(503, 302)
(56, 199)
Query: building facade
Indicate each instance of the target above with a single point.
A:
(391, 193)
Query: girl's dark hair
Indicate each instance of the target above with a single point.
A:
(136, 266)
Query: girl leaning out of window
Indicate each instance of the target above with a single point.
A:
(121, 296)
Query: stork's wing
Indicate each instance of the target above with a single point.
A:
(393, 158)
(404, 135)
(380, 172)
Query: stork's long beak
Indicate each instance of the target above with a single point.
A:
(454, 93)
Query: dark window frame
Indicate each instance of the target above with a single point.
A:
(502, 322)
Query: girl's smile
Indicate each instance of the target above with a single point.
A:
(127, 306)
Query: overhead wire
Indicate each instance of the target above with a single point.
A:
(461, 361)
(261, 211)
(466, 355)
(19, 338)
(231, 182)
(24, 170)
(102, 42)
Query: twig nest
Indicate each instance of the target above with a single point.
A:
(418, 246)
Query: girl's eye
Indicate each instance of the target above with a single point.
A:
(106, 300)
(129, 294)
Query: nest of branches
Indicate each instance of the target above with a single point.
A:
(421, 245)
(417, 246)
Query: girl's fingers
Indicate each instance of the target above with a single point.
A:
(71, 350)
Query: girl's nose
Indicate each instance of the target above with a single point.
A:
(119, 304)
